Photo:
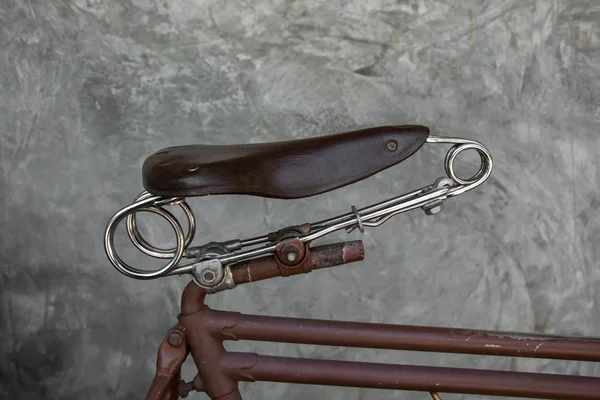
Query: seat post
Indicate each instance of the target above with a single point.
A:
(205, 346)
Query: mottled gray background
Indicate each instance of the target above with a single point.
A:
(89, 88)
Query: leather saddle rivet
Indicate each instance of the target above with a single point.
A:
(193, 168)
(392, 145)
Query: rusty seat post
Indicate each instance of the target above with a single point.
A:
(206, 346)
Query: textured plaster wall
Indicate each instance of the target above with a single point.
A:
(89, 88)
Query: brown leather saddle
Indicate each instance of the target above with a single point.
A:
(286, 170)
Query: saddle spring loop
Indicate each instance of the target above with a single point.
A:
(154, 204)
(141, 244)
(429, 198)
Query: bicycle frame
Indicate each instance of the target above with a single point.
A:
(201, 331)
(219, 266)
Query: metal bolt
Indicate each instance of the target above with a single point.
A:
(392, 146)
(193, 168)
(433, 210)
(175, 339)
(290, 253)
(208, 276)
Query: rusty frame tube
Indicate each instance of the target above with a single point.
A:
(235, 326)
(220, 371)
(252, 367)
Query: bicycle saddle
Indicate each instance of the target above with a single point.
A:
(286, 170)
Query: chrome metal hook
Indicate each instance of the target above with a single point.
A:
(461, 145)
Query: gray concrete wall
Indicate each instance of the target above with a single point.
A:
(89, 88)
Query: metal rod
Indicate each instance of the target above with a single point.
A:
(406, 206)
(374, 207)
(254, 367)
(254, 241)
(401, 337)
